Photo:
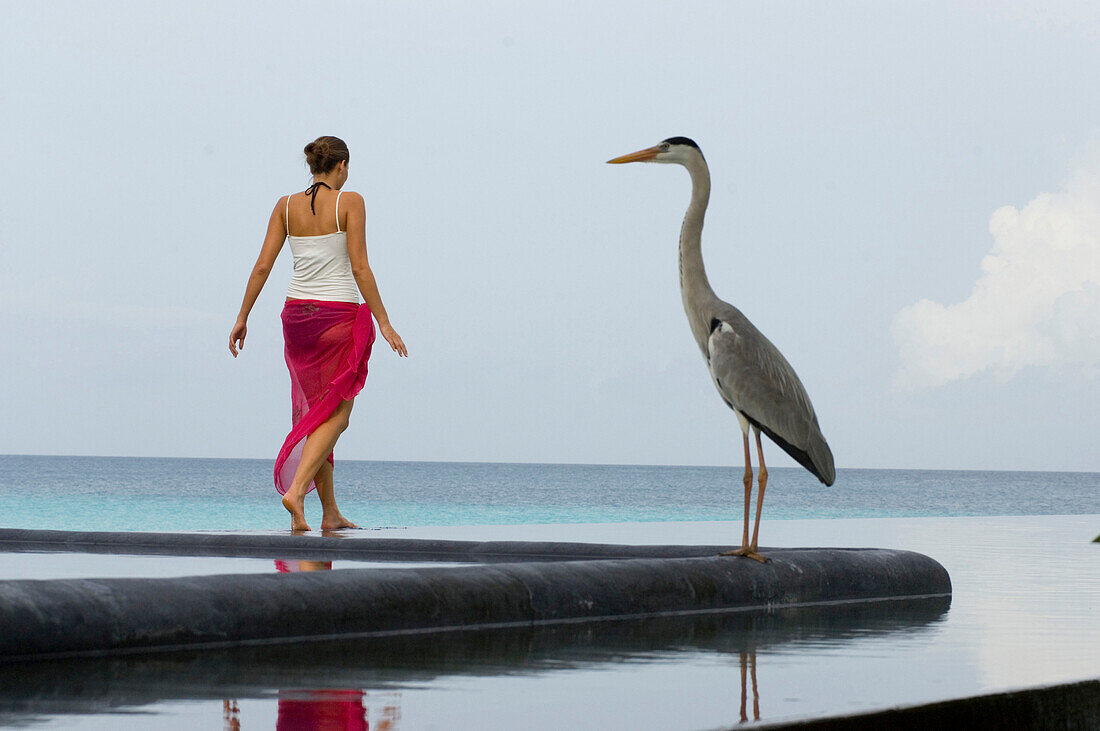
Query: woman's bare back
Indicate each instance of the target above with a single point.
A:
(304, 222)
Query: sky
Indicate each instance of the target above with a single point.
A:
(906, 201)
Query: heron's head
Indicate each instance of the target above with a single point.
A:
(679, 150)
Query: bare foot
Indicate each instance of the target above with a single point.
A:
(296, 508)
(336, 523)
(747, 552)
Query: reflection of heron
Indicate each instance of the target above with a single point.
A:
(748, 662)
(752, 376)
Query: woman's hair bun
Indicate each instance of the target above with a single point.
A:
(325, 153)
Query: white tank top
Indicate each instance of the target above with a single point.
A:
(322, 269)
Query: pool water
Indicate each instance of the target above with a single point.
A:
(66, 565)
(1023, 613)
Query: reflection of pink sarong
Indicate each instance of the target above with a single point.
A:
(321, 710)
(327, 345)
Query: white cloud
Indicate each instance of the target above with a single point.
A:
(1036, 303)
(1082, 16)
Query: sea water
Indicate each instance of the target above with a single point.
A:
(110, 493)
(1025, 609)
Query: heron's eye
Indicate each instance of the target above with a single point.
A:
(664, 147)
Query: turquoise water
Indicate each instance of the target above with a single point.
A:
(109, 493)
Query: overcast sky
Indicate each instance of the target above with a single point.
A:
(906, 201)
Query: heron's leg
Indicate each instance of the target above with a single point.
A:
(748, 491)
(759, 498)
(744, 699)
(744, 550)
(755, 692)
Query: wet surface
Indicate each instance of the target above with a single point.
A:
(1023, 613)
(310, 671)
(38, 565)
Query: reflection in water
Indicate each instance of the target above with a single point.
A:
(321, 710)
(748, 660)
(231, 715)
(291, 566)
(32, 691)
(318, 710)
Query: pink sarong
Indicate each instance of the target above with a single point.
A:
(327, 345)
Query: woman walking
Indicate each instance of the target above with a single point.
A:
(328, 334)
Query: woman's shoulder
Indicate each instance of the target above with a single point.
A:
(350, 196)
(280, 207)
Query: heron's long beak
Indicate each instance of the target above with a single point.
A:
(645, 155)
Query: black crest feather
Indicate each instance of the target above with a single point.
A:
(684, 141)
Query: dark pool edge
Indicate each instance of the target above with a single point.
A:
(1063, 706)
(66, 616)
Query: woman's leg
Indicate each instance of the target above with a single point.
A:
(314, 454)
(331, 518)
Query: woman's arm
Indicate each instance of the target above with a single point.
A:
(269, 252)
(356, 227)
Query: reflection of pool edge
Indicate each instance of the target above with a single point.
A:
(83, 616)
(252, 671)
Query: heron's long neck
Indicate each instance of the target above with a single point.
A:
(694, 287)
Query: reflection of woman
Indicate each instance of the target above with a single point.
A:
(292, 566)
(321, 710)
(327, 333)
(318, 710)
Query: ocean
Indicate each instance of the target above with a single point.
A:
(1018, 546)
(116, 493)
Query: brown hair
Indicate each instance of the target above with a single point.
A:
(325, 153)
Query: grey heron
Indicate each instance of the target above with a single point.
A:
(752, 376)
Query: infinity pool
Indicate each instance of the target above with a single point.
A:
(37, 565)
(1024, 613)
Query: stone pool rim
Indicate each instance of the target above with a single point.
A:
(558, 583)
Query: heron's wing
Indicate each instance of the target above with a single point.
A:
(755, 379)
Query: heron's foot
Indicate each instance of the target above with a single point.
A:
(747, 552)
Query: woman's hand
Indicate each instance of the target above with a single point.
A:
(236, 337)
(395, 341)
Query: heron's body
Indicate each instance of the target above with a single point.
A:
(751, 375)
